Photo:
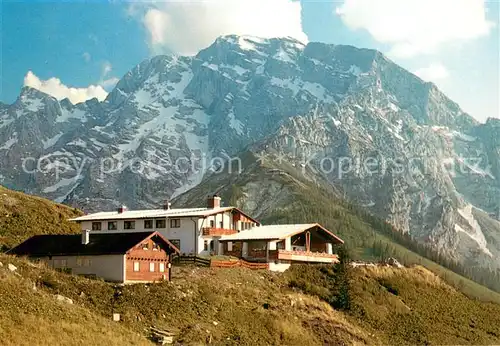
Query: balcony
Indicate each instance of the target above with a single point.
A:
(307, 256)
(212, 231)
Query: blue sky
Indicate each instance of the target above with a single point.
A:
(79, 44)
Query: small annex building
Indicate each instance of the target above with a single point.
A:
(115, 256)
(282, 245)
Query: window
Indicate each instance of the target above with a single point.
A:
(212, 223)
(136, 266)
(148, 224)
(176, 243)
(145, 246)
(64, 263)
(151, 267)
(112, 225)
(79, 262)
(96, 226)
(221, 224)
(162, 267)
(156, 247)
(87, 262)
(129, 225)
(175, 223)
(205, 245)
(160, 223)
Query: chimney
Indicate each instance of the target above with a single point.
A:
(167, 205)
(122, 209)
(213, 202)
(85, 236)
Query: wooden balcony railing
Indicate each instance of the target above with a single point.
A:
(307, 256)
(212, 231)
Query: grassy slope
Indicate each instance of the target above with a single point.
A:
(408, 306)
(234, 299)
(22, 216)
(35, 317)
(244, 307)
(299, 200)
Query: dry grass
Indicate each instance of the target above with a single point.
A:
(22, 216)
(244, 307)
(248, 308)
(35, 317)
(414, 306)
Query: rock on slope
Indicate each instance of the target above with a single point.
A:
(431, 168)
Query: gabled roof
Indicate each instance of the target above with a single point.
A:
(277, 232)
(71, 245)
(156, 213)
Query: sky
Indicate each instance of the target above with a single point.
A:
(80, 49)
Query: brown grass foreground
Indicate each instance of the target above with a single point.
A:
(243, 307)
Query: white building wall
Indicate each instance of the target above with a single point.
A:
(226, 219)
(108, 267)
(191, 242)
(185, 234)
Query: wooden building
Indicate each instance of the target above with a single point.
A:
(282, 245)
(117, 257)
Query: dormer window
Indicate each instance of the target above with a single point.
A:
(145, 246)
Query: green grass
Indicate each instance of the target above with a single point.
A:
(22, 216)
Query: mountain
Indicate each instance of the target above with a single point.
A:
(385, 139)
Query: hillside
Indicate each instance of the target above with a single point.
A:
(30, 315)
(22, 216)
(244, 307)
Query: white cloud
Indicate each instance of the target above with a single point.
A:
(106, 68)
(188, 26)
(54, 87)
(433, 73)
(86, 56)
(414, 27)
